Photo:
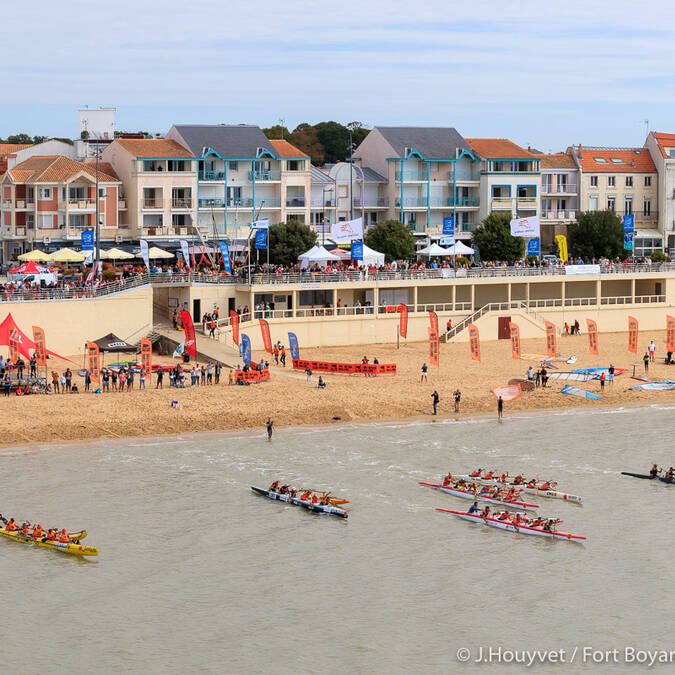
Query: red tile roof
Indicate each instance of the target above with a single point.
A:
(499, 148)
(11, 148)
(630, 160)
(154, 147)
(58, 169)
(286, 150)
(664, 141)
(557, 160)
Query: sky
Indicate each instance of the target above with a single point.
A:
(545, 74)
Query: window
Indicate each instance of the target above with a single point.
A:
(233, 166)
(63, 194)
(647, 207)
(149, 165)
(101, 193)
(497, 166)
(616, 160)
(611, 181)
(600, 160)
(45, 222)
(76, 221)
(45, 193)
(342, 191)
(294, 165)
(648, 181)
(177, 165)
(611, 204)
(594, 181)
(628, 206)
(234, 196)
(561, 204)
(433, 167)
(629, 181)
(30, 221)
(76, 193)
(593, 204)
(671, 152)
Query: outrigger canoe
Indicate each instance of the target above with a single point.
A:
(551, 494)
(663, 479)
(72, 548)
(464, 494)
(316, 508)
(510, 527)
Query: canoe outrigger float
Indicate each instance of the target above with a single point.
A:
(510, 527)
(464, 494)
(72, 548)
(287, 498)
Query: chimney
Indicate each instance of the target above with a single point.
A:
(580, 152)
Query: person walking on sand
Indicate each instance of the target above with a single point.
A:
(434, 400)
(423, 378)
(500, 407)
(270, 428)
(651, 348)
(645, 360)
(610, 374)
(458, 398)
(308, 372)
(160, 377)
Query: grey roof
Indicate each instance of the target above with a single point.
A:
(430, 142)
(318, 176)
(371, 176)
(230, 141)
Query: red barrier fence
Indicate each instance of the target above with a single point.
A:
(346, 368)
(251, 375)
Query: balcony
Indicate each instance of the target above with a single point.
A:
(641, 216)
(247, 202)
(323, 203)
(212, 203)
(121, 204)
(463, 176)
(22, 204)
(9, 232)
(412, 176)
(153, 203)
(81, 204)
(502, 203)
(211, 175)
(181, 203)
(468, 202)
(559, 215)
(527, 203)
(412, 203)
(264, 176)
(295, 203)
(7, 204)
(372, 203)
(468, 226)
(551, 189)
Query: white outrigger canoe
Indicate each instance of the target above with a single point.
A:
(551, 494)
(518, 529)
(463, 494)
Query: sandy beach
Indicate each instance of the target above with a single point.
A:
(291, 401)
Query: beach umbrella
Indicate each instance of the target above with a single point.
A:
(36, 256)
(116, 254)
(156, 252)
(67, 255)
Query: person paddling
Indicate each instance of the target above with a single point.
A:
(473, 508)
(63, 537)
(654, 471)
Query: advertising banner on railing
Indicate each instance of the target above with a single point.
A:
(525, 227)
(571, 270)
(357, 250)
(474, 342)
(252, 375)
(188, 327)
(185, 250)
(93, 362)
(628, 231)
(632, 334)
(146, 357)
(246, 348)
(261, 239)
(515, 340)
(533, 247)
(40, 346)
(403, 322)
(433, 347)
(234, 322)
(592, 328)
(225, 250)
(433, 321)
(14, 345)
(347, 231)
(267, 340)
(295, 348)
(346, 368)
(670, 333)
(145, 252)
(551, 346)
(562, 247)
(262, 224)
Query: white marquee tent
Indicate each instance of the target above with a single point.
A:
(433, 250)
(317, 255)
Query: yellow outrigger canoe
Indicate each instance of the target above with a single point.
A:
(71, 548)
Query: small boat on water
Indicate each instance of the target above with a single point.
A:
(73, 547)
(465, 494)
(296, 501)
(663, 479)
(537, 491)
(517, 529)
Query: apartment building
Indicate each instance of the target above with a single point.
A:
(48, 201)
(625, 181)
(160, 184)
(244, 177)
(431, 173)
(7, 152)
(510, 177)
(661, 149)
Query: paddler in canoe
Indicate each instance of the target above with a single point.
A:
(476, 474)
(447, 480)
(274, 487)
(670, 474)
(532, 484)
(518, 480)
(546, 485)
(11, 526)
(37, 532)
(655, 471)
(473, 508)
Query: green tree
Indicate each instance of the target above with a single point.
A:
(595, 234)
(277, 132)
(359, 132)
(392, 238)
(288, 240)
(335, 139)
(305, 138)
(494, 240)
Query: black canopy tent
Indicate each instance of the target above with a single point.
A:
(111, 344)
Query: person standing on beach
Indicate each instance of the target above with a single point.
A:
(610, 374)
(458, 398)
(270, 428)
(602, 381)
(651, 348)
(645, 360)
(423, 378)
(434, 400)
(160, 377)
(308, 372)
(500, 407)
(283, 356)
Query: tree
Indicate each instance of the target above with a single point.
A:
(596, 234)
(288, 240)
(305, 138)
(277, 132)
(335, 140)
(494, 240)
(359, 132)
(392, 238)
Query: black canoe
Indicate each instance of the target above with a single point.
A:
(648, 477)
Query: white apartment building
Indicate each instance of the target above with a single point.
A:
(661, 148)
(559, 195)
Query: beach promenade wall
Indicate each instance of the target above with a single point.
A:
(68, 324)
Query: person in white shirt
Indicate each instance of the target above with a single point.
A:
(652, 350)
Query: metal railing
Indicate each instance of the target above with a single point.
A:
(181, 202)
(557, 189)
(263, 175)
(371, 202)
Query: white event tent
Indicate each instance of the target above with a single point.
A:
(458, 248)
(317, 255)
(434, 250)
